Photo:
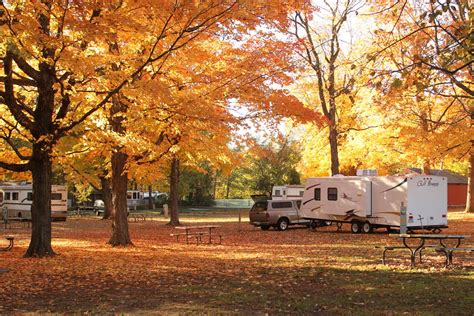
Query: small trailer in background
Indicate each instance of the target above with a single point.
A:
(287, 192)
(16, 199)
(369, 202)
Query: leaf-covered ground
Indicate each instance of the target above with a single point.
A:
(253, 272)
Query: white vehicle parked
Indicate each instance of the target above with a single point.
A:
(368, 202)
(17, 200)
(287, 192)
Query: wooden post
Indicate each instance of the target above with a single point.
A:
(240, 218)
(5, 216)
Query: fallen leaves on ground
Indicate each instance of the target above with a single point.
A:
(295, 271)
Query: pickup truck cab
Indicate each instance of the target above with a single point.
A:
(276, 213)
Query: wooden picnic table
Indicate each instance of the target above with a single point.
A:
(422, 238)
(197, 232)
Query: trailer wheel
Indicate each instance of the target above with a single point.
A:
(367, 228)
(283, 223)
(355, 227)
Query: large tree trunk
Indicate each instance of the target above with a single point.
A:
(150, 198)
(41, 165)
(334, 149)
(227, 188)
(107, 196)
(470, 183)
(174, 182)
(120, 234)
(426, 167)
(40, 244)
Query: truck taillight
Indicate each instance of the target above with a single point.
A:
(444, 215)
(411, 217)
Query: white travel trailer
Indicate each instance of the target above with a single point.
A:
(134, 198)
(287, 192)
(16, 199)
(375, 202)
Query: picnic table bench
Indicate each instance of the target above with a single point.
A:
(421, 245)
(448, 251)
(393, 247)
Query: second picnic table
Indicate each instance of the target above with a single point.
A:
(414, 249)
(197, 232)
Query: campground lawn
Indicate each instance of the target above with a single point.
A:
(297, 271)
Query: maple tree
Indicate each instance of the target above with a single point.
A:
(424, 50)
(321, 47)
(174, 100)
(60, 66)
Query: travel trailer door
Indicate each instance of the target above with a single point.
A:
(427, 201)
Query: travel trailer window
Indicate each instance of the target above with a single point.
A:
(7, 196)
(133, 195)
(56, 196)
(281, 204)
(298, 204)
(1, 197)
(301, 193)
(29, 196)
(15, 196)
(332, 194)
(277, 192)
(317, 194)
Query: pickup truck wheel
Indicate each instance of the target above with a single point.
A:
(367, 228)
(355, 227)
(265, 227)
(283, 224)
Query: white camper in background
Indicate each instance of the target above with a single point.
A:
(134, 198)
(287, 192)
(374, 202)
(17, 199)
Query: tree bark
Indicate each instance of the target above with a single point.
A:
(41, 164)
(227, 188)
(470, 182)
(120, 234)
(174, 182)
(107, 194)
(40, 243)
(150, 198)
(334, 149)
(426, 167)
